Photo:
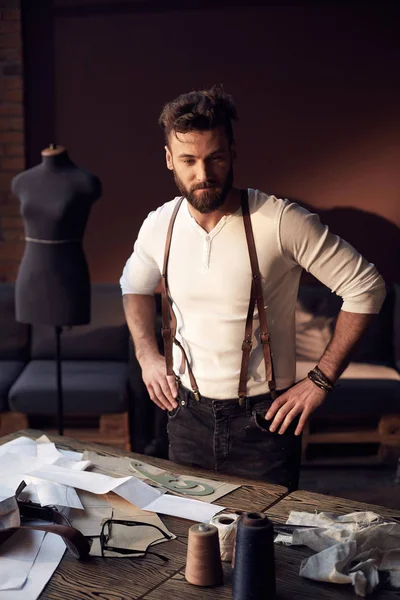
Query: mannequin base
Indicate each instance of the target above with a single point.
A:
(112, 429)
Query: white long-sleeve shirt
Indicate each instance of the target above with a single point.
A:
(209, 278)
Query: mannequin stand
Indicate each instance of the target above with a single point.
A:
(60, 405)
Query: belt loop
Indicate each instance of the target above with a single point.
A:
(247, 404)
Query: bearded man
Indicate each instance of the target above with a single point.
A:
(229, 262)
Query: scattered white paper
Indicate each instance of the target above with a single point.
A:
(55, 494)
(96, 509)
(17, 555)
(122, 466)
(131, 488)
(21, 446)
(134, 490)
(70, 454)
(186, 508)
(7, 489)
(47, 560)
(49, 454)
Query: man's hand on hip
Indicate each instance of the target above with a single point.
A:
(162, 388)
(301, 399)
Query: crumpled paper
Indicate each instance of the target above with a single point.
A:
(355, 548)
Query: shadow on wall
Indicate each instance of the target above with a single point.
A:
(373, 236)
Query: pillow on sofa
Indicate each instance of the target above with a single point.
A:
(377, 345)
(312, 334)
(314, 322)
(316, 312)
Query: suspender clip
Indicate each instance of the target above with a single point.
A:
(247, 345)
(196, 395)
(242, 399)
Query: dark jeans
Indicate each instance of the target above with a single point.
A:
(224, 437)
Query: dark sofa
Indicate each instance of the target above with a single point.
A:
(95, 368)
(364, 409)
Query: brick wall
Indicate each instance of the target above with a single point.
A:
(12, 147)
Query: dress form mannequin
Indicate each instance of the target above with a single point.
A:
(53, 283)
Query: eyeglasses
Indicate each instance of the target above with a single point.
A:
(106, 534)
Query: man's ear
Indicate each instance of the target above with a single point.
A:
(168, 159)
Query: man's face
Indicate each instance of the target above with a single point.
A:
(202, 163)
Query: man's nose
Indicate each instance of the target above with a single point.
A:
(203, 171)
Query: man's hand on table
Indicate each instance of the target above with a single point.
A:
(162, 388)
(301, 399)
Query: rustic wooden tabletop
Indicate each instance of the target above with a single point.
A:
(152, 579)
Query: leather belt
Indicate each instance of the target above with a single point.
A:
(16, 514)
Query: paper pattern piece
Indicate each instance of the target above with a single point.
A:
(47, 559)
(48, 465)
(125, 466)
(20, 456)
(174, 483)
(186, 508)
(96, 509)
(17, 555)
(351, 548)
(136, 538)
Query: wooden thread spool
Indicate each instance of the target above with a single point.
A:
(203, 562)
(254, 572)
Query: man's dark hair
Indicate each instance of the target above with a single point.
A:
(199, 111)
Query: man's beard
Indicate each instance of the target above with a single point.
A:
(212, 196)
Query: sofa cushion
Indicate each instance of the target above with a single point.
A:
(9, 371)
(316, 311)
(14, 337)
(363, 390)
(106, 337)
(313, 333)
(89, 388)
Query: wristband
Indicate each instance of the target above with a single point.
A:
(320, 379)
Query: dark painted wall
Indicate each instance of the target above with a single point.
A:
(318, 94)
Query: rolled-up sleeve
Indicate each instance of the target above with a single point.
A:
(306, 241)
(141, 273)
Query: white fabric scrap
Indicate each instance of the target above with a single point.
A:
(350, 548)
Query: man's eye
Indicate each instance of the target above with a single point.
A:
(188, 161)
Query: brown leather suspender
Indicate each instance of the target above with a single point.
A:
(169, 323)
(256, 296)
(168, 315)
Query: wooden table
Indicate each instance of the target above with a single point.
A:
(151, 579)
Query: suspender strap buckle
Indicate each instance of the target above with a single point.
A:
(265, 339)
(247, 345)
(242, 399)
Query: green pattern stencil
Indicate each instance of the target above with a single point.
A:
(172, 483)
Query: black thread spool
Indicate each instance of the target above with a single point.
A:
(254, 572)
